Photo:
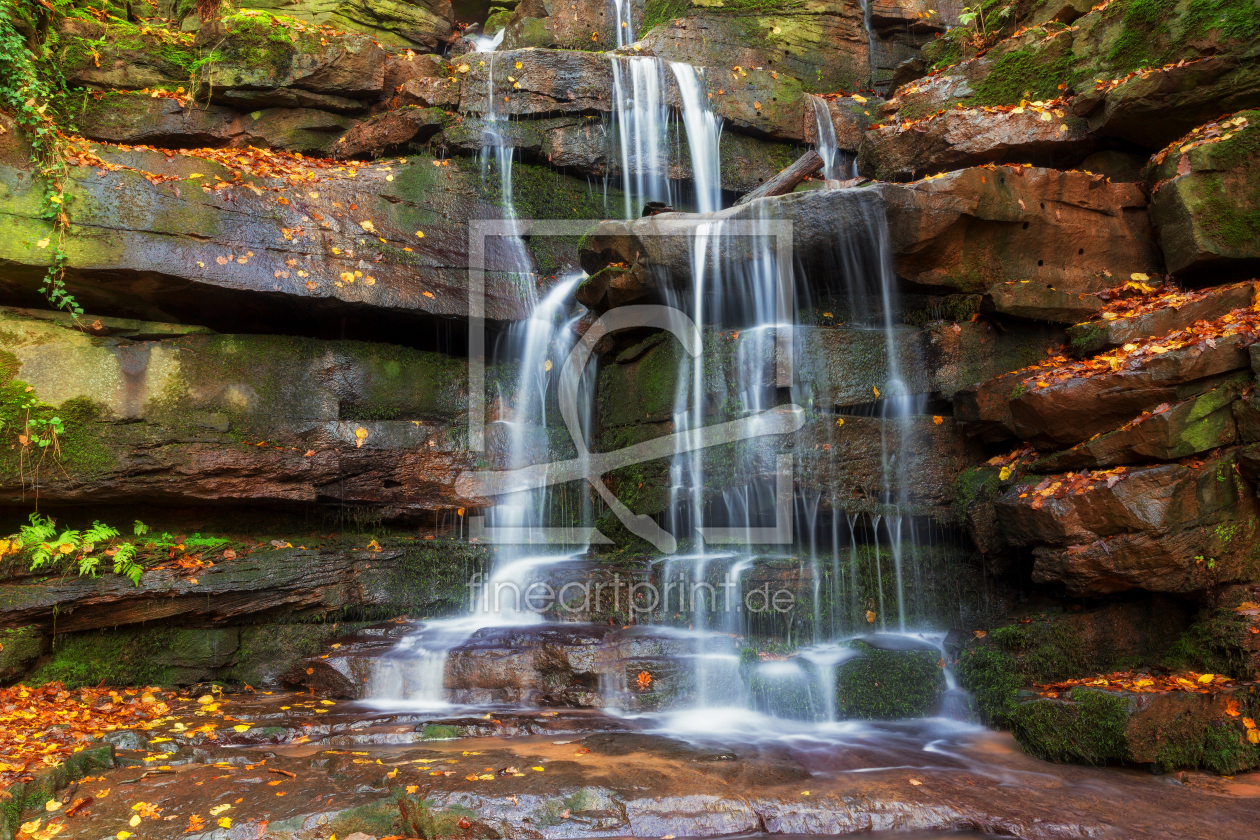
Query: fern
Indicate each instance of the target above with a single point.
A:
(98, 533)
(125, 563)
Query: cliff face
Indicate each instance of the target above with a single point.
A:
(265, 221)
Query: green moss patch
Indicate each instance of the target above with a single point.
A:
(1086, 728)
(889, 684)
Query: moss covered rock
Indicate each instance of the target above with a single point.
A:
(421, 24)
(1167, 729)
(1206, 207)
(886, 683)
(19, 648)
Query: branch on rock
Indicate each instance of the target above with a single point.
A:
(786, 181)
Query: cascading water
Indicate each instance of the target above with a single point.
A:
(704, 133)
(641, 121)
(836, 165)
(625, 26)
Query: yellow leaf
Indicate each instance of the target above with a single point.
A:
(1139, 277)
(31, 827)
(420, 234)
(915, 782)
(539, 769)
(225, 822)
(412, 788)
(241, 727)
(859, 99)
(360, 435)
(368, 226)
(205, 699)
(547, 365)
(876, 390)
(1004, 474)
(1207, 678)
(839, 421)
(219, 809)
(519, 65)
(870, 617)
(123, 835)
(43, 243)
(134, 821)
(52, 805)
(464, 68)
(938, 420)
(1129, 348)
(1253, 735)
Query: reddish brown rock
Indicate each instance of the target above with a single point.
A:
(390, 130)
(1042, 302)
(970, 137)
(1197, 425)
(1169, 528)
(969, 230)
(1097, 336)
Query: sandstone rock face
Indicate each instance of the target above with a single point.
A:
(422, 24)
(1205, 204)
(1052, 413)
(181, 419)
(1041, 61)
(970, 137)
(824, 45)
(136, 119)
(569, 25)
(963, 232)
(248, 588)
(1196, 425)
(390, 130)
(1155, 108)
(258, 69)
(1087, 339)
(1166, 528)
(1168, 728)
(194, 250)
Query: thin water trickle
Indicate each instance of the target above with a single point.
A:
(640, 121)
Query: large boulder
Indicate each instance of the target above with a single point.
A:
(260, 64)
(1042, 61)
(177, 122)
(1127, 320)
(1155, 107)
(973, 136)
(1181, 528)
(1199, 424)
(1206, 203)
(252, 586)
(1100, 722)
(120, 56)
(572, 24)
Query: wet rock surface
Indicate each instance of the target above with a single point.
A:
(293, 769)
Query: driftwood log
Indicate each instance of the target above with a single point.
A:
(786, 181)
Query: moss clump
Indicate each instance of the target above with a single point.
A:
(1192, 741)
(440, 732)
(1213, 645)
(974, 486)
(114, 658)
(990, 674)
(889, 684)
(1087, 728)
(1023, 74)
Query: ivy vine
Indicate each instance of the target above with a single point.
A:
(29, 86)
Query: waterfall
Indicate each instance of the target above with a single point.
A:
(625, 26)
(870, 40)
(414, 673)
(641, 120)
(828, 147)
(704, 133)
